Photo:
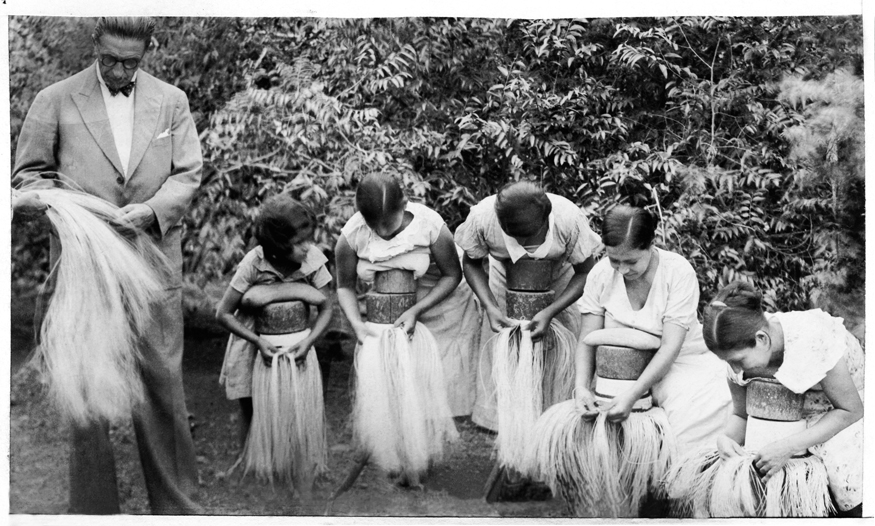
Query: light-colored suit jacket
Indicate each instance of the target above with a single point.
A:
(67, 131)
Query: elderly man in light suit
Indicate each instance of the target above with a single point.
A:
(121, 134)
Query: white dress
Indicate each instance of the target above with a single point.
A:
(693, 392)
(454, 322)
(571, 241)
(813, 343)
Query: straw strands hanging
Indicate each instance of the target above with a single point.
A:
(105, 283)
(287, 441)
(528, 378)
(600, 468)
(706, 485)
(400, 412)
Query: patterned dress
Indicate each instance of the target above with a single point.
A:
(813, 343)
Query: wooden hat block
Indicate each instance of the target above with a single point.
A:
(532, 275)
(528, 288)
(621, 356)
(281, 323)
(394, 292)
(282, 317)
(773, 412)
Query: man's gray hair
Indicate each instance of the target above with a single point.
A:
(133, 27)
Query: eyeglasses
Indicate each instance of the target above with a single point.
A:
(110, 61)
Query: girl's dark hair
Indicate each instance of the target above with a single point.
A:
(733, 318)
(279, 220)
(377, 195)
(518, 196)
(133, 27)
(629, 225)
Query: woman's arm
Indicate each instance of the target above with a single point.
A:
(260, 295)
(346, 261)
(541, 321)
(478, 280)
(584, 365)
(443, 250)
(847, 409)
(225, 316)
(672, 338)
(730, 441)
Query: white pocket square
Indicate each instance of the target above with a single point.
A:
(165, 133)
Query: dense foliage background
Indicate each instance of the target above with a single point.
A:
(744, 134)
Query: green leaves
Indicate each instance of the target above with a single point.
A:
(757, 172)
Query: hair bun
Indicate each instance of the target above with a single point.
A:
(741, 294)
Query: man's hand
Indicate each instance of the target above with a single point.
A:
(139, 215)
(27, 205)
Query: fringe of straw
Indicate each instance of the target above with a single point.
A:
(287, 441)
(706, 485)
(401, 416)
(527, 380)
(597, 467)
(100, 307)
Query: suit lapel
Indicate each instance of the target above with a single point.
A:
(147, 108)
(89, 101)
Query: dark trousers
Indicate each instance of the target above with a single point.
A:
(161, 425)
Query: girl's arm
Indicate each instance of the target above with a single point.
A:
(346, 261)
(260, 295)
(323, 319)
(443, 250)
(847, 409)
(225, 316)
(478, 280)
(584, 365)
(672, 338)
(541, 321)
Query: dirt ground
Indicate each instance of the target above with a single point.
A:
(38, 461)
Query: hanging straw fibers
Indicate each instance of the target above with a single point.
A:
(105, 284)
(598, 467)
(706, 485)
(287, 441)
(400, 413)
(528, 378)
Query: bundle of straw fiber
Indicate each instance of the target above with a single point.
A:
(401, 417)
(704, 484)
(105, 283)
(528, 378)
(598, 467)
(287, 441)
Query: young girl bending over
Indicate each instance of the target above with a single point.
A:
(808, 352)
(389, 232)
(284, 266)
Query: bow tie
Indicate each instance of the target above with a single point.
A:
(124, 90)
